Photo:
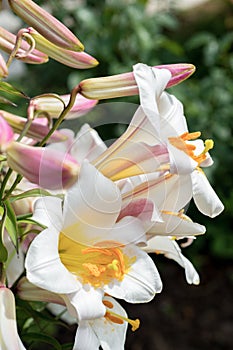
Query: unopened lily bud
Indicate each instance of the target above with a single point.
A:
(3, 68)
(43, 166)
(125, 85)
(53, 106)
(47, 25)
(7, 43)
(79, 60)
(37, 130)
(6, 134)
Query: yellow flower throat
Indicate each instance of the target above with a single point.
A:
(96, 265)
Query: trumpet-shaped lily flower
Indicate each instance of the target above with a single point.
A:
(9, 338)
(84, 252)
(45, 167)
(186, 154)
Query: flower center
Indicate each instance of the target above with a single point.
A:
(188, 148)
(96, 265)
(118, 319)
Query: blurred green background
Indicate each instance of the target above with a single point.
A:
(120, 33)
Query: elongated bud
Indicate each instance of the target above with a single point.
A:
(43, 166)
(53, 106)
(7, 43)
(47, 25)
(3, 68)
(125, 85)
(79, 60)
(6, 134)
(37, 130)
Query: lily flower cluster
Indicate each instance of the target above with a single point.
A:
(80, 220)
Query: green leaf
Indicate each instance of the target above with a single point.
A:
(5, 101)
(3, 250)
(37, 192)
(41, 338)
(9, 89)
(11, 224)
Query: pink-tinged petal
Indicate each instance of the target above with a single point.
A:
(46, 24)
(141, 282)
(79, 60)
(44, 267)
(204, 195)
(151, 83)
(111, 335)
(171, 250)
(87, 303)
(176, 225)
(91, 206)
(6, 134)
(43, 166)
(9, 338)
(29, 291)
(7, 44)
(141, 208)
(87, 144)
(85, 338)
(48, 212)
(125, 85)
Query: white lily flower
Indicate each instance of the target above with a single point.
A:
(85, 252)
(186, 153)
(9, 338)
(168, 247)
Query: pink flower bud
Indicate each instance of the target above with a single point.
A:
(6, 134)
(125, 85)
(37, 130)
(7, 43)
(79, 60)
(53, 106)
(43, 166)
(47, 25)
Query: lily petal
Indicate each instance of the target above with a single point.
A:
(43, 265)
(85, 338)
(204, 195)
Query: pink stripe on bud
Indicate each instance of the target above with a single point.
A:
(43, 166)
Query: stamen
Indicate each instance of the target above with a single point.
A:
(190, 135)
(209, 144)
(108, 304)
(115, 318)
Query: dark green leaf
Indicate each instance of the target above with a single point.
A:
(41, 338)
(9, 89)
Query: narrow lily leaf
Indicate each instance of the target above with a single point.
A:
(41, 338)
(6, 87)
(3, 250)
(31, 222)
(11, 224)
(36, 192)
(5, 101)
